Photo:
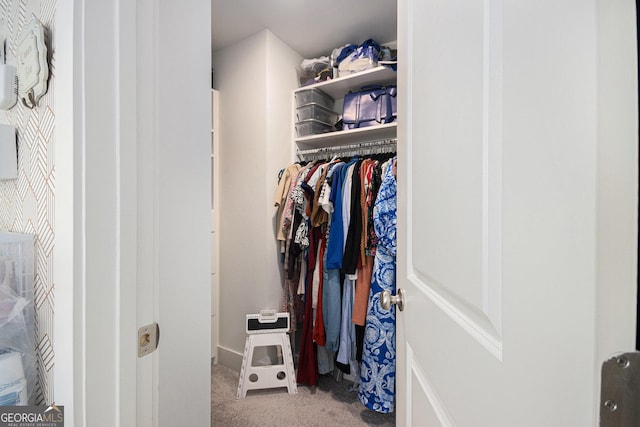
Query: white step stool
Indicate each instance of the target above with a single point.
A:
(267, 329)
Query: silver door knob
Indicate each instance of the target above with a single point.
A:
(386, 299)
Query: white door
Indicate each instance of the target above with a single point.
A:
(517, 208)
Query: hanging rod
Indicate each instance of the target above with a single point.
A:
(368, 147)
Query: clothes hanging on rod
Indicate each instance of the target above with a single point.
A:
(328, 241)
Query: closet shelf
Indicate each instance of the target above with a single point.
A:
(336, 88)
(353, 136)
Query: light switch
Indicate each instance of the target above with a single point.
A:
(8, 153)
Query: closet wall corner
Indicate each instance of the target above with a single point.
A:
(255, 78)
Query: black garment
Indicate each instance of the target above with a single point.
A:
(351, 253)
(359, 342)
(295, 250)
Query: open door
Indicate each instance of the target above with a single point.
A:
(517, 208)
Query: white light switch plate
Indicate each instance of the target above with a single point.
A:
(8, 153)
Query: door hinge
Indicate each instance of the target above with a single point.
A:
(620, 391)
(148, 337)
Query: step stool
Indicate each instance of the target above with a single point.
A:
(267, 329)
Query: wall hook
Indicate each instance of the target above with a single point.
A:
(32, 100)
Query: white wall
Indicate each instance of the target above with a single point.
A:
(27, 203)
(255, 79)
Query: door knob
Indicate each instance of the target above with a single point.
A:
(386, 299)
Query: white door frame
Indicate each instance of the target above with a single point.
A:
(95, 255)
(106, 188)
(617, 181)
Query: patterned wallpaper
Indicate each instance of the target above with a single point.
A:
(27, 204)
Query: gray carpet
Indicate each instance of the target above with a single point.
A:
(330, 403)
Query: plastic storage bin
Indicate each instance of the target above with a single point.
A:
(310, 96)
(317, 112)
(13, 384)
(312, 127)
(18, 369)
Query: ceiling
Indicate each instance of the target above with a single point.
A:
(311, 28)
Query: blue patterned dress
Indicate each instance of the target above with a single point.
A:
(378, 367)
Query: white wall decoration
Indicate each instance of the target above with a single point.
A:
(33, 71)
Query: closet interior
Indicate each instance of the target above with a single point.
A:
(269, 253)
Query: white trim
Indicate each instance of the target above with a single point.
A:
(404, 132)
(95, 301)
(469, 318)
(492, 165)
(229, 358)
(126, 207)
(436, 403)
(617, 183)
(146, 92)
(69, 321)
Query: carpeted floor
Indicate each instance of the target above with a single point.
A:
(328, 404)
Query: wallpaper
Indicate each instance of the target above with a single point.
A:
(27, 204)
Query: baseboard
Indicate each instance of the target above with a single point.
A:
(229, 358)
